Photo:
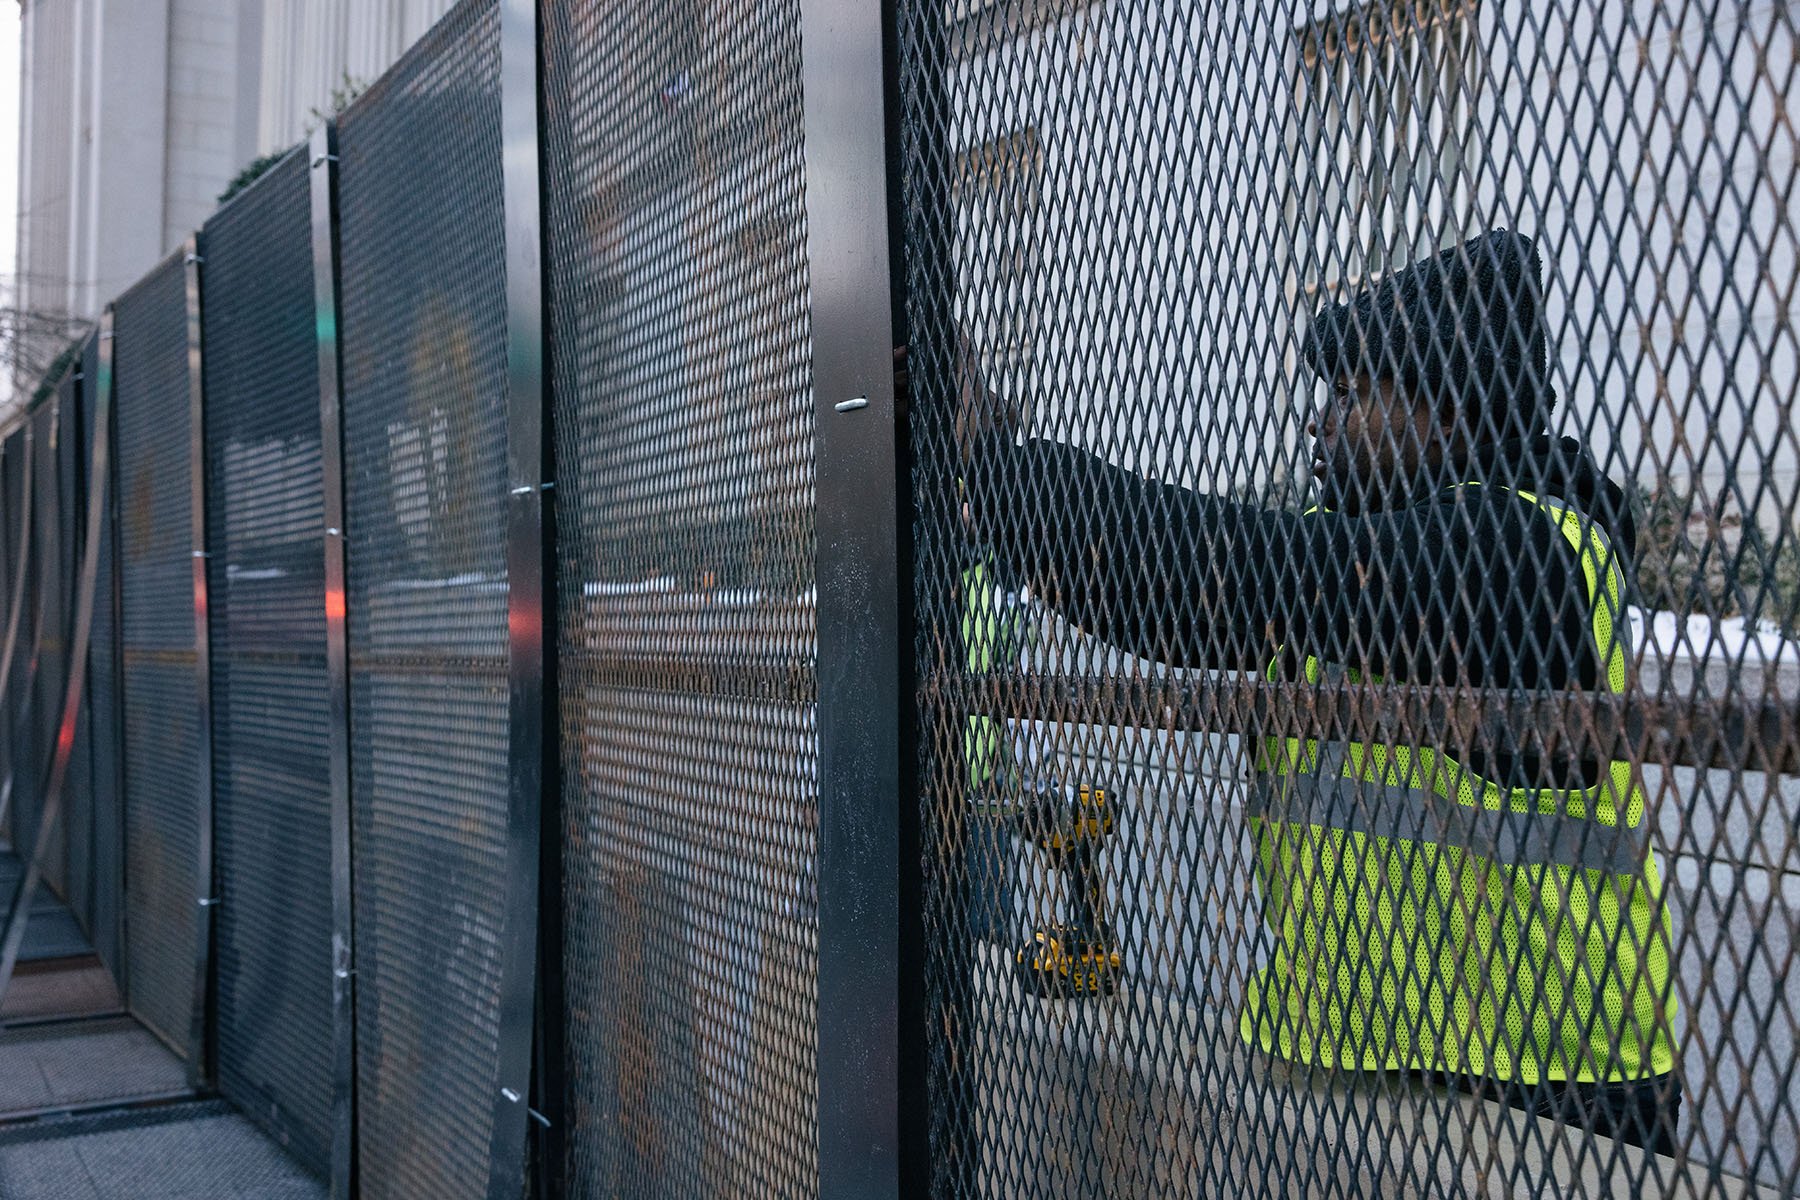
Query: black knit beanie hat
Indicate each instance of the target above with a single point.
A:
(1462, 328)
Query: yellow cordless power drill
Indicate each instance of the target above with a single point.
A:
(1077, 958)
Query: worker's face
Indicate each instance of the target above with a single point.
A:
(1369, 440)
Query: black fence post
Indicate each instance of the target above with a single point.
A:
(871, 1073)
(200, 1057)
(531, 605)
(113, 595)
(323, 182)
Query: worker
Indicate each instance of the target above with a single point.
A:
(1489, 916)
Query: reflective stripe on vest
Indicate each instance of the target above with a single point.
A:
(1515, 827)
(1332, 797)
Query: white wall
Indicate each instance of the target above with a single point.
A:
(206, 90)
(313, 48)
(138, 113)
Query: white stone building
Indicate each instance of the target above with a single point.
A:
(136, 114)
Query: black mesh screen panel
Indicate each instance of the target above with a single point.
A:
(265, 523)
(161, 715)
(681, 371)
(424, 328)
(106, 810)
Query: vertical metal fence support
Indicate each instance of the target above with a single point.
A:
(200, 1066)
(871, 1071)
(323, 154)
(16, 608)
(530, 605)
(24, 715)
(113, 594)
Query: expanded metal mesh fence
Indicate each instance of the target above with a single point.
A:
(44, 662)
(77, 854)
(12, 477)
(271, 776)
(680, 367)
(161, 721)
(60, 630)
(1357, 595)
(424, 394)
(106, 801)
(1356, 583)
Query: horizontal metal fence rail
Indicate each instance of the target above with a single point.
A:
(1731, 733)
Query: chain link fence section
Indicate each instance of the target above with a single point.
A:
(265, 529)
(424, 395)
(1298, 387)
(157, 673)
(680, 362)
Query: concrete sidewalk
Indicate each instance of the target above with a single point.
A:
(190, 1151)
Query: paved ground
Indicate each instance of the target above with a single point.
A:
(75, 1064)
(194, 1151)
(52, 932)
(64, 987)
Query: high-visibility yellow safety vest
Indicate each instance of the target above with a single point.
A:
(990, 628)
(1426, 918)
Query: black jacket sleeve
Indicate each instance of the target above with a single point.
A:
(1473, 586)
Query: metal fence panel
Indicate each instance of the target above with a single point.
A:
(11, 477)
(681, 375)
(22, 537)
(161, 733)
(106, 806)
(266, 590)
(424, 403)
(1245, 339)
(9, 497)
(67, 870)
(45, 664)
